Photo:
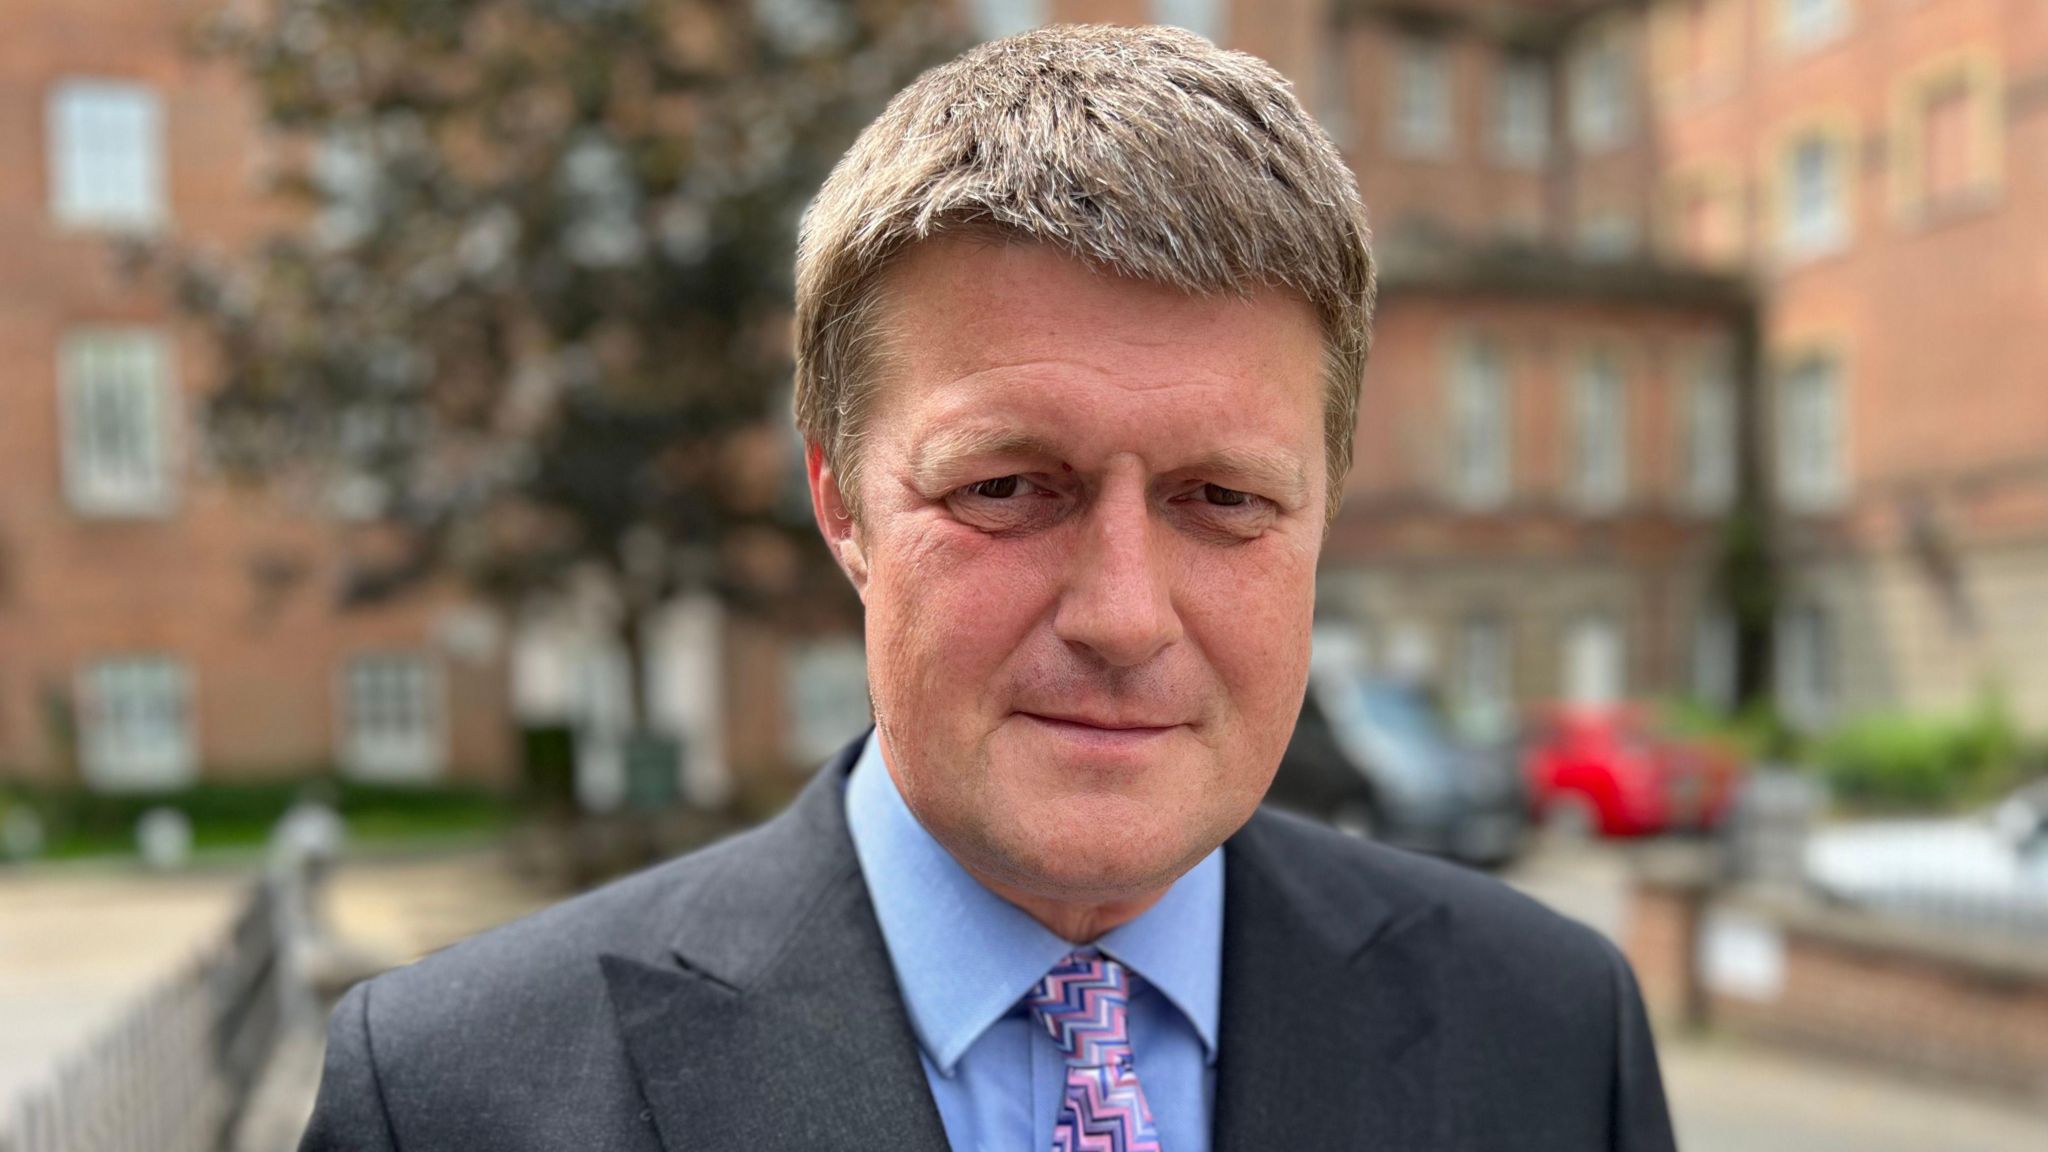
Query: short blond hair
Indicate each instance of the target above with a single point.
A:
(1148, 152)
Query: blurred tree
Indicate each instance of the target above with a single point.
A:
(529, 317)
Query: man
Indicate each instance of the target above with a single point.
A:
(1081, 322)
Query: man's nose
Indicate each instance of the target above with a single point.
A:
(1118, 599)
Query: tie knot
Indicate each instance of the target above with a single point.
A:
(1082, 1002)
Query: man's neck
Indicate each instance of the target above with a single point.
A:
(1076, 923)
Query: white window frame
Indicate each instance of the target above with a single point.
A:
(1813, 472)
(1814, 221)
(1485, 672)
(1595, 660)
(1424, 119)
(993, 19)
(118, 414)
(106, 155)
(415, 751)
(1808, 664)
(1715, 649)
(1521, 111)
(1804, 25)
(136, 723)
(1202, 17)
(1482, 424)
(1710, 432)
(1599, 432)
(1602, 108)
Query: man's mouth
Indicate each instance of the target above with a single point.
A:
(1113, 728)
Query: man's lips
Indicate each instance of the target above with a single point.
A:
(1131, 727)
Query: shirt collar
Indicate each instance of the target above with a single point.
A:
(965, 956)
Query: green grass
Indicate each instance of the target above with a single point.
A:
(226, 818)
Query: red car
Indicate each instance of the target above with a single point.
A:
(1609, 771)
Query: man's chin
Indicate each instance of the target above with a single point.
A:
(1094, 860)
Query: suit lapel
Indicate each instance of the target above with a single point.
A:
(777, 1023)
(1328, 1036)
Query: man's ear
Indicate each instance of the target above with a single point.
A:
(828, 504)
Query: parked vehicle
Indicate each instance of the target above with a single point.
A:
(1608, 771)
(1374, 758)
(1985, 870)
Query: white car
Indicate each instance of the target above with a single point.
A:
(1988, 870)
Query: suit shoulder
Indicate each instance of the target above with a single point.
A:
(1484, 917)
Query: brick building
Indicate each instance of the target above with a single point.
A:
(1879, 168)
(156, 622)
(1638, 256)
(1614, 236)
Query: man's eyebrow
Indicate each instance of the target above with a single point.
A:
(934, 461)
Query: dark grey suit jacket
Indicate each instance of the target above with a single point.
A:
(741, 998)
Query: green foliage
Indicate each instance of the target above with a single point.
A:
(529, 302)
(1885, 761)
(1895, 761)
(1757, 733)
(80, 822)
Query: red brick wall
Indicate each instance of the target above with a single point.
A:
(1918, 1001)
(264, 657)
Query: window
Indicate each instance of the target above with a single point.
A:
(1599, 415)
(391, 719)
(1814, 216)
(1697, 44)
(1714, 651)
(1602, 111)
(1947, 138)
(135, 723)
(1811, 464)
(1607, 236)
(828, 696)
(1485, 685)
(117, 401)
(1521, 111)
(106, 155)
(1702, 215)
(1710, 431)
(1594, 662)
(1480, 423)
(1806, 669)
(993, 18)
(1804, 24)
(1422, 97)
(1202, 17)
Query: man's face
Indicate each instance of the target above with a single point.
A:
(1090, 514)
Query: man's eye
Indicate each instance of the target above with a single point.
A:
(1223, 497)
(1000, 488)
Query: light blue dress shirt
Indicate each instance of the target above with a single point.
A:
(965, 957)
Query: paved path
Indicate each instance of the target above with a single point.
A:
(1728, 1097)
(78, 946)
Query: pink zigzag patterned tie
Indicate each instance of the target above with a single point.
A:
(1083, 1003)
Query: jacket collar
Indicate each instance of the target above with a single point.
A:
(775, 1022)
(1330, 1000)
